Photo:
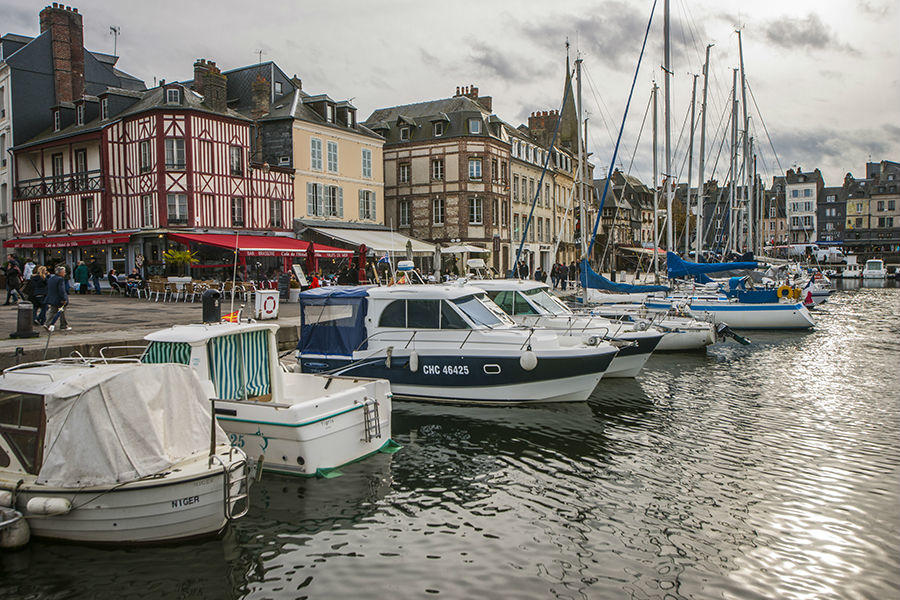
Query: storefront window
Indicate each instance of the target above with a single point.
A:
(119, 257)
(88, 253)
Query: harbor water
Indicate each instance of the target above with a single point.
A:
(762, 471)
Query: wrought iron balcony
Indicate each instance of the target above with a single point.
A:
(85, 181)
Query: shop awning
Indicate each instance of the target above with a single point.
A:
(379, 241)
(259, 245)
(68, 241)
(461, 249)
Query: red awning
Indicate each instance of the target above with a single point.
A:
(259, 245)
(68, 241)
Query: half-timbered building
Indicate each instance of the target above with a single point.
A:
(120, 171)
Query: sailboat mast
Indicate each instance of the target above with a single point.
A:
(700, 191)
(655, 191)
(750, 213)
(731, 198)
(667, 176)
(687, 205)
(580, 175)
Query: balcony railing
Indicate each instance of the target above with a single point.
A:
(86, 181)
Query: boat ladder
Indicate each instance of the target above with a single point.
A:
(236, 486)
(372, 421)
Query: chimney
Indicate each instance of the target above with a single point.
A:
(201, 67)
(298, 83)
(213, 84)
(67, 50)
(261, 98)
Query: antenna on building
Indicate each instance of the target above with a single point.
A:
(260, 52)
(115, 30)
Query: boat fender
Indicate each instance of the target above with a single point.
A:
(795, 293)
(528, 360)
(14, 530)
(784, 291)
(48, 507)
(413, 361)
(6, 498)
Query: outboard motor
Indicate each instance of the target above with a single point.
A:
(212, 311)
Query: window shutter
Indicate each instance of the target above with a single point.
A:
(372, 209)
(340, 202)
(310, 198)
(362, 205)
(320, 198)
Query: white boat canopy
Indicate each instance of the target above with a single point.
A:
(109, 424)
(378, 240)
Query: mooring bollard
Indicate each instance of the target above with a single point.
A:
(24, 321)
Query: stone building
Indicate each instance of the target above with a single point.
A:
(831, 214)
(802, 190)
(774, 220)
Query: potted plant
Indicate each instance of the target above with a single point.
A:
(178, 258)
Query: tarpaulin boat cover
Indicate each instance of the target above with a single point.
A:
(593, 280)
(677, 267)
(332, 320)
(110, 424)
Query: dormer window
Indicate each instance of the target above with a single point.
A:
(329, 113)
(351, 118)
(474, 126)
(56, 120)
(79, 114)
(439, 129)
(173, 96)
(278, 88)
(404, 133)
(104, 108)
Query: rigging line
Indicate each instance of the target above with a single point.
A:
(719, 153)
(637, 69)
(601, 104)
(712, 142)
(630, 165)
(543, 173)
(766, 129)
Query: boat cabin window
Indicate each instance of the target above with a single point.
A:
(167, 352)
(22, 429)
(512, 303)
(239, 366)
(421, 314)
(547, 301)
(480, 309)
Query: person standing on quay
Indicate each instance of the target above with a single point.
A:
(13, 281)
(39, 294)
(57, 298)
(96, 273)
(81, 277)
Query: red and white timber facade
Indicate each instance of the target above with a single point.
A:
(112, 188)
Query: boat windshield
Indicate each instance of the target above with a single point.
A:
(482, 311)
(547, 301)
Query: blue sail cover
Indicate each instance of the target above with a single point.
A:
(677, 267)
(332, 320)
(596, 281)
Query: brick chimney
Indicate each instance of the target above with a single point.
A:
(261, 98)
(471, 92)
(67, 50)
(542, 123)
(211, 84)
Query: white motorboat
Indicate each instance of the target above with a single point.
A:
(681, 331)
(297, 423)
(874, 269)
(445, 342)
(116, 453)
(851, 271)
(530, 303)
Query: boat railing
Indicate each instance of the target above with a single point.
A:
(572, 328)
(233, 498)
(128, 356)
(76, 359)
(462, 344)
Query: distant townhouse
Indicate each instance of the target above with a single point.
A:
(774, 221)
(123, 175)
(457, 173)
(40, 73)
(831, 214)
(884, 205)
(802, 190)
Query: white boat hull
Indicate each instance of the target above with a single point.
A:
(687, 339)
(754, 316)
(149, 511)
(627, 366)
(303, 440)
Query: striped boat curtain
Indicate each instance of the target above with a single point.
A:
(167, 352)
(239, 365)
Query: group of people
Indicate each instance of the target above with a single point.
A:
(48, 293)
(560, 273)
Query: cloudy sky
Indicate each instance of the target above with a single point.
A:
(825, 74)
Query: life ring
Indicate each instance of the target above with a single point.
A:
(784, 291)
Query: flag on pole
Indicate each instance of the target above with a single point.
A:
(231, 317)
(384, 259)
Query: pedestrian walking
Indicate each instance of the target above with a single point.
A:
(28, 269)
(57, 298)
(13, 281)
(573, 274)
(96, 273)
(37, 293)
(82, 275)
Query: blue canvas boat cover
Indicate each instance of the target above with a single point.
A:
(596, 281)
(332, 320)
(677, 267)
